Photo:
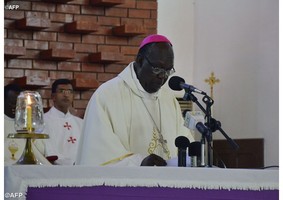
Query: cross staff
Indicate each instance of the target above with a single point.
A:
(212, 81)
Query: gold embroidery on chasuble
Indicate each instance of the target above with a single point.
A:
(158, 144)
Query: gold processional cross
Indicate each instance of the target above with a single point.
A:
(212, 81)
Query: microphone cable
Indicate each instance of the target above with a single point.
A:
(219, 158)
(224, 166)
(271, 166)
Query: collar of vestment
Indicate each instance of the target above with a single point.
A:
(54, 111)
(130, 77)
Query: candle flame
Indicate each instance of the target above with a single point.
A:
(29, 100)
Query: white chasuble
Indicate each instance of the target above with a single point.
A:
(117, 125)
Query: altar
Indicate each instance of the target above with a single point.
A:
(87, 182)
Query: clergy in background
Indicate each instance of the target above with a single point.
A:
(131, 120)
(64, 128)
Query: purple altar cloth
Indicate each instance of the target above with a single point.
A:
(145, 193)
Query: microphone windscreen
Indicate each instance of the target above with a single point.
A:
(195, 149)
(201, 128)
(182, 142)
(174, 83)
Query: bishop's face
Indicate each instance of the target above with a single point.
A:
(154, 68)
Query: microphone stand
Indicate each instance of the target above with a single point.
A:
(209, 102)
(212, 124)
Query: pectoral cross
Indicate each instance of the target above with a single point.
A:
(156, 141)
(161, 139)
(212, 81)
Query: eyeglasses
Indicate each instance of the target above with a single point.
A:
(65, 91)
(158, 70)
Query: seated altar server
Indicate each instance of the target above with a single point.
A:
(132, 120)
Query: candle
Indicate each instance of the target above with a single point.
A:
(29, 114)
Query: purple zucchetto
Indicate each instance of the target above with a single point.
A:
(154, 38)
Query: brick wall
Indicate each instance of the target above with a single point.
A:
(48, 40)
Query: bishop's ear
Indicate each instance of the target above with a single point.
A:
(139, 59)
(138, 65)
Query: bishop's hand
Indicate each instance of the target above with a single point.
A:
(153, 160)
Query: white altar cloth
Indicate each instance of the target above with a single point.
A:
(18, 178)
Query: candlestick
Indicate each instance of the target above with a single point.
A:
(29, 114)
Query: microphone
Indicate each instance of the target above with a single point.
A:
(182, 143)
(202, 128)
(204, 131)
(178, 83)
(195, 154)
